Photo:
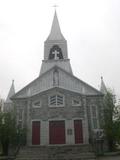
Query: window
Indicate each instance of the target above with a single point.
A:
(20, 118)
(20, 124)
(20, 114)
(55, 53)
(36, 104)
(76, 102)
(56, 101)
(94, 111)
(94, 117)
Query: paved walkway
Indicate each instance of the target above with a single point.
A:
(109, 158)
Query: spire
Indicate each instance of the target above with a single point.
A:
(55, 33)
(103, 88)
(55, 50)
(11, 92)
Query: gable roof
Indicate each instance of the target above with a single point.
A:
(66, 81)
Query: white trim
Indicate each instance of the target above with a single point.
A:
(44, 133)
(69, 137)
(31, 131)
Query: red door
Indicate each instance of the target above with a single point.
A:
(36, 132)
(78, 131)
(57, 132)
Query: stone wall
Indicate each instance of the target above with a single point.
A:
(68, 113)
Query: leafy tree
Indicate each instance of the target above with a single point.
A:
(1, 104)
(10, 134)
(111, 121)
(116, 121)
(7, 130)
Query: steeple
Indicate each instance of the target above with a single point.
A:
(11, 93)
(103, 88)
(55, 33)
(55, 49)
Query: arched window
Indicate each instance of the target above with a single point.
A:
(20, 117)
(55, 53)
(94, 116)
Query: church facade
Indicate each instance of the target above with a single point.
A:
(58, 108)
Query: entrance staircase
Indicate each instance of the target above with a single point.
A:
(78, 152)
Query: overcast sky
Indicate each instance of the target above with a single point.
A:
(91, 28)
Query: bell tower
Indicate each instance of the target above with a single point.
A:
(55, 49)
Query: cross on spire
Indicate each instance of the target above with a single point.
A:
(55, 33)
(55, 53)
(55, 6)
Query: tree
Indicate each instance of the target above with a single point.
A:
(7, 130)
(111, 121)
(117, 123)
(10, 133)
(1, 104)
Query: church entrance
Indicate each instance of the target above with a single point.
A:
(57, 132)
(35, 132)
(78, 131)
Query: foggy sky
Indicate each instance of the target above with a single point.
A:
(91, 28)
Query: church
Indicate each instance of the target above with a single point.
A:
(57, 108)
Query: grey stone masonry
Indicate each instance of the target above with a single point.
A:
(68, 112)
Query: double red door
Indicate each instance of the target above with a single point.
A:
(57, 132)
(36, 132)
(78, 131)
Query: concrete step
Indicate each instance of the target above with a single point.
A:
(78, 152)
(61, 158)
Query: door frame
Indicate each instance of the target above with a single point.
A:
(31, 131)
(49, 130)
(82, 120)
